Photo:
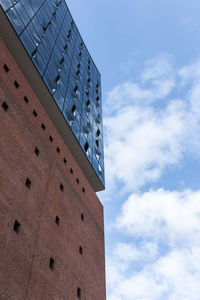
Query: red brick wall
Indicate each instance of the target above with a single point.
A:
(24, 263)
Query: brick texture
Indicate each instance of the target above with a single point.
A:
(25, 255)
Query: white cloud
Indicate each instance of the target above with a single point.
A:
(161, 214)
(142, 138)
(149, 128)
(168, 224)
(173, 276)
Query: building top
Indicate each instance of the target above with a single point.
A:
(61, 71)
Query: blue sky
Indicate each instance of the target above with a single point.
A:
(148, 53)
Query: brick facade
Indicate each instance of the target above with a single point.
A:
(31, 147)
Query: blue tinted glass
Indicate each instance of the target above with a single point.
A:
(57, 50)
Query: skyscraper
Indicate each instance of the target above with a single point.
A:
(51, 156)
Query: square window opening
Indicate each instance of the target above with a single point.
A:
(16, 226)
(28, 183)
(34, 113)
(6, 68)
(43, 126)
(51, 263)
(57, 220)
(5, 106)
(16, 84)
(61, 187)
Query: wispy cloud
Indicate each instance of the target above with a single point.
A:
(147, 128)
(150, 125)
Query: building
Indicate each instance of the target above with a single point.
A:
(51, 157)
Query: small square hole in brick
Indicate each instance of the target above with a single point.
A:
(28, 183)
(61, 187)
(82, 217)
(5, 106)
(43, 126)
(50, 138)
(34, 113)
(51, 263)
(6, 68)
(26, 99)
(16, 226)
(37, 151)
(58, 149)
(81, 250)
(16, 84)
(65, 161)
(57, 220)
(78, 292)
(77, 180)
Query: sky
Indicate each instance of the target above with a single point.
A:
(148, 53)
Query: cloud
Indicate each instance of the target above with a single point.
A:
(165, 262)
(173, 276)
(162, 214)
(148, 127)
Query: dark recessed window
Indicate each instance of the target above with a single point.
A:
(81, 250)
(77, 180)
(28, 183)
(16, 226)
(61, 187)
(50, 138)
(86, 146)
(6, 68)
(51, 263)
(64, 160)
(71, 170)
(43, 126)
(78, 292)
(16, 84)
(34, 113)
(26, 99)
(5, 106)
(98, 132)
(36, 151)
(82, 217)
(58, 149)
(57, 220)
(83, 189)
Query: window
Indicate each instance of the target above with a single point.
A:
(77, 180)
(43, 126)
(28, 183)
(57, 220)
(26, 99)
(34, 113)
(82, 217)
(36, 151)
(61, 187)
(5, 106)
(78, 292)
(64, 160)
(83, 189)
(81, 250)
(6, 68)
(71, 170)
(16, 226)
(16, 84)
(50, 138)
(51, 263)
(58, 149)
(86, 146)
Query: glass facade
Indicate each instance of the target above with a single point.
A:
(52, 41)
